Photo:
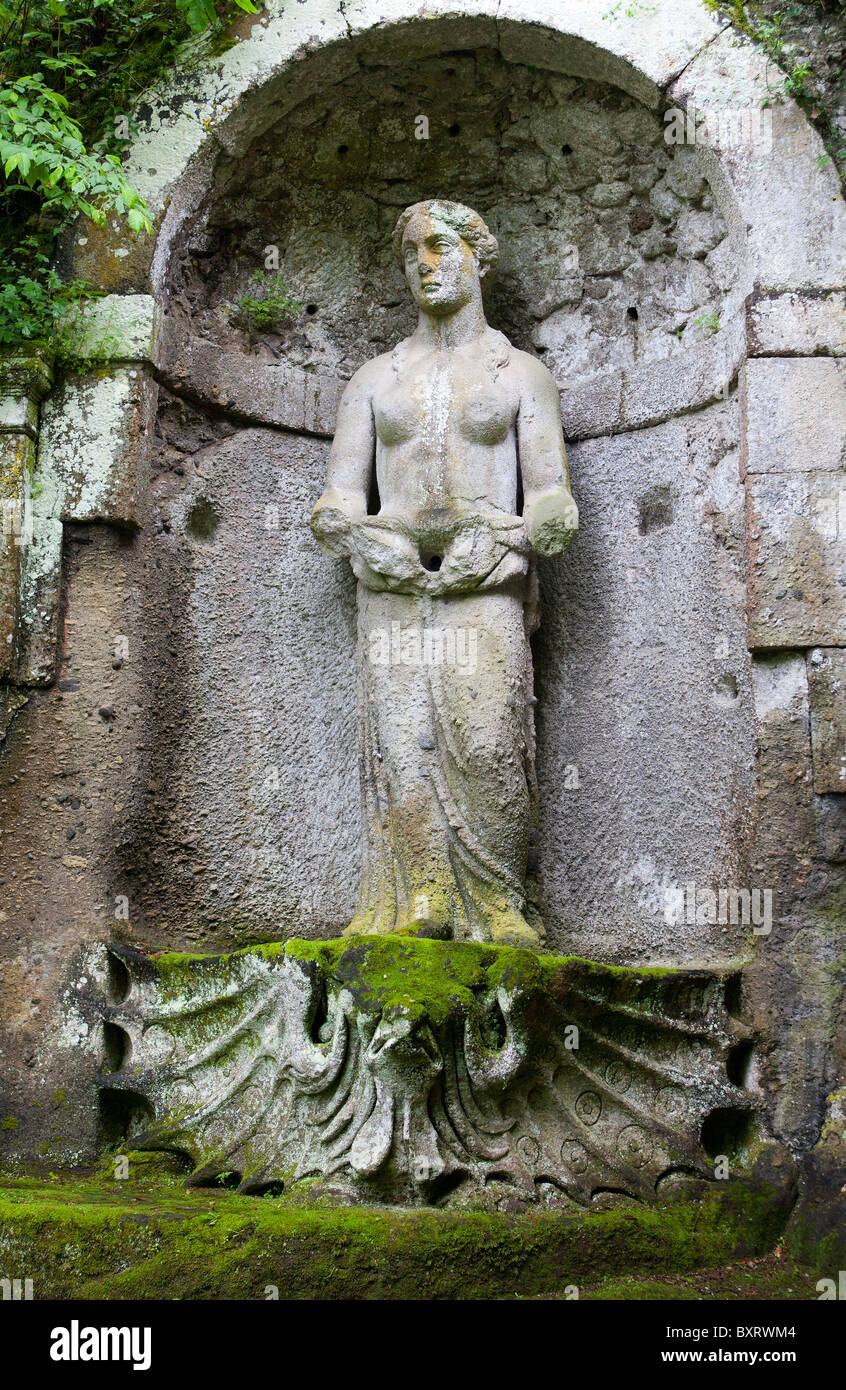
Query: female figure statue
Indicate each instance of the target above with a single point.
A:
(446, 593)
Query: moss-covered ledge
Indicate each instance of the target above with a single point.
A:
(144, 1237)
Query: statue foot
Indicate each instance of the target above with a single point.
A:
(515, 931)
(427, 927)
(416, 926)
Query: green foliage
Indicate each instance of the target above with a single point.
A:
(41, 145)
(69, 73)
(709, 323)
(32, 294)
(201, 14)
(269, 304)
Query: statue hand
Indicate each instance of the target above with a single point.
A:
(331, 524)
(382, 550)
(552, 520)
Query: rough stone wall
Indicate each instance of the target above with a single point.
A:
(216, 768)
(611, 248)
(644, 688)
(70, 759)
(613, 259)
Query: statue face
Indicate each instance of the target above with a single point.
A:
(441, 268)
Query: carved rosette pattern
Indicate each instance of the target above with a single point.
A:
(559, 1074)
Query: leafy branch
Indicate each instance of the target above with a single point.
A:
(69, 72)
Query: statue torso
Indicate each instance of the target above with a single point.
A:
(445, 431)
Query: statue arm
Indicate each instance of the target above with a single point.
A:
(350, 466)
(549, 511)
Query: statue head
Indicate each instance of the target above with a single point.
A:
(446, 253)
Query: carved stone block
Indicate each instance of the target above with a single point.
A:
(795, 414)
(797, 527)
(827, 687)
(405, 1068)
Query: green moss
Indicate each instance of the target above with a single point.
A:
(144, 1238)
(10, 1122)
(768, 1278)
(419, 976)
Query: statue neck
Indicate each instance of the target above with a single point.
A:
(452, 330)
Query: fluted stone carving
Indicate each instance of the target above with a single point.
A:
(400, 1069)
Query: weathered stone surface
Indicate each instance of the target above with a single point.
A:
(105, 257)
(592, 406)
(95, 446)
(40, 602)
(402, 1067)
(797, 527)
(816, 1232)
(641, 52)
(793, 991)
(116, 328)
(831, 828)
(588, 288)
(26, 371)
(776, 191)
(246, 648)
(279, 394)
(827, 685)
(785, 774)
(234, 93)
(93, 465)
(71, 779)
(17, 461)
(168, 142)
(25, 376)
(644, 701)
(377, 31)
(688, 381)
(795, 415)
(797, 324)
(18, 415)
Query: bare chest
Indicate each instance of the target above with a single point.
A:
(444, 397)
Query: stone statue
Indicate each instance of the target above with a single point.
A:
(456, 420)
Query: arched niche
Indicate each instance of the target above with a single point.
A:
(646, 717)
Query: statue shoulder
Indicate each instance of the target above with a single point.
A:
(369, 375)
(532, 374)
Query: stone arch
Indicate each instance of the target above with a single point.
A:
(780, 340)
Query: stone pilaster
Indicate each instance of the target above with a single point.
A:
(25, 376)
